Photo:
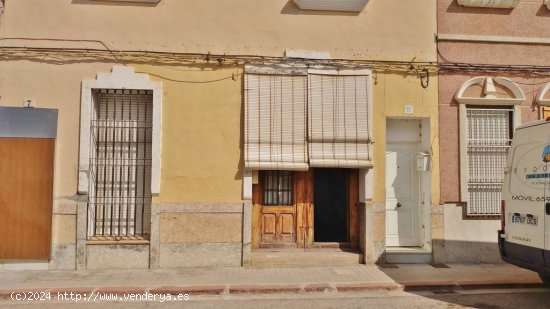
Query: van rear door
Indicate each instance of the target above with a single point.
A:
(546, 171)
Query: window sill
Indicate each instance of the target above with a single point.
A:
(128, 240)
(500, 4)
(480, 217)
(138, 1)
(332, 5)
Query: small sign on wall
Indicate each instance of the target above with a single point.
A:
(409, 109)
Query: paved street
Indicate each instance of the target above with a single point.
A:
(259, 279)
(489, 298)
(359, 286)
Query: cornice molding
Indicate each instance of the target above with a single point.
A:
(540, 98)
(489, 90)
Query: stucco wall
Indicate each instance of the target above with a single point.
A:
(391, 92)
(201, 133)
(462, 240)
(385, 29)
(201, 159)
(52, 86)
(194, 238)
(449, 84)
(201, 125)
(63, 241)
(528, 19)
(468, 241)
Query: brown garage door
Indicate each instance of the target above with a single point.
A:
(26, 189)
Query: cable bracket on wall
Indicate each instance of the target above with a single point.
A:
(425, 79)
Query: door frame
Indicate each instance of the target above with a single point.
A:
(352, 197)
(425, 211)
(304, 210)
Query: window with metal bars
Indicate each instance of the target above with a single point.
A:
(278, 188)
(489, 136)
(119, 197)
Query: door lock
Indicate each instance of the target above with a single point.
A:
(548, 208)
(398, 204)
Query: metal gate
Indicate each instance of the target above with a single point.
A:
(119, 199)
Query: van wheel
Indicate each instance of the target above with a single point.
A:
(545, 278)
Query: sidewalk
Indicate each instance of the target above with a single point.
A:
(277, 279)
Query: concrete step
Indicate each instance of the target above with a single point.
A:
(310, 257)
(408, 255)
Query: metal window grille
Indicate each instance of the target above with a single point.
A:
(119, 198)
(278, 188)
(489, 138)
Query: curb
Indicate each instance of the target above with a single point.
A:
(364, 287)
(409, 286)
(264, 289)
(191, 290)
(468, 285)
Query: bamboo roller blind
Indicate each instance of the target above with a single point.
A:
(294, 121)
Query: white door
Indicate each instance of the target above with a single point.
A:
(402, 195)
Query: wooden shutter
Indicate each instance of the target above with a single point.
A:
(275, 122)
(339, 119)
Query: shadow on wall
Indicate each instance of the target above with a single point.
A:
(453, 251)
(291, 8)
(543, 11)
(240, 166)
(115, 3)
(455, 8)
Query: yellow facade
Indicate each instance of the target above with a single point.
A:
(384, 30)
(201, 136)
(392, 91)
(202, 48)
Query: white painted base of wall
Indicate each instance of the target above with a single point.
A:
(24, 265)
(408, 255)
(468, 241)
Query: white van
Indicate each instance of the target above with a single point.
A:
(524, 238)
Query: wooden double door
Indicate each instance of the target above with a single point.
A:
(305, 209)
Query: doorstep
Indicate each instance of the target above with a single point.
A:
(308, 256)
(408, 255)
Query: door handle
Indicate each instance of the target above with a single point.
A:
(548, 208)
(398, 204)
